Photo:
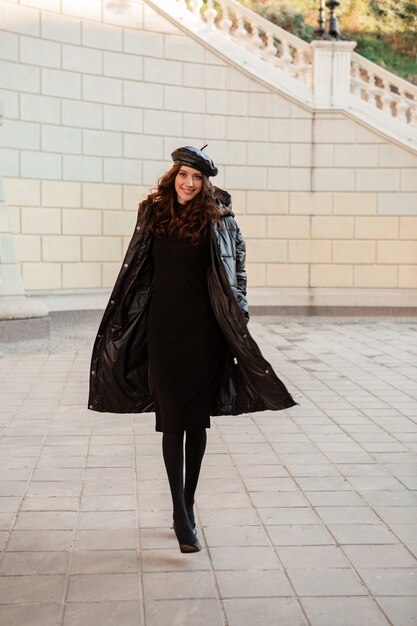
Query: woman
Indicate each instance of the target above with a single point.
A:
(174, 336)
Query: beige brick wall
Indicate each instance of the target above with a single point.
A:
(94, 102)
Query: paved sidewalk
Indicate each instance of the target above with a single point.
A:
(306, 516)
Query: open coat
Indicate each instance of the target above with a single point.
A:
(119, 380)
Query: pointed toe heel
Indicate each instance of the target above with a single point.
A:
(187, 548)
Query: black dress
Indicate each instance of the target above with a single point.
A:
(183, 336)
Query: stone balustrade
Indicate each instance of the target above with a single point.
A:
(384, 90)
(270, 42)
(366, 81)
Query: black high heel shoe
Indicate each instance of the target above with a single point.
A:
(187, 548)
(193, 527)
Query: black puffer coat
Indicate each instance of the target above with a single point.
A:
(119, 365)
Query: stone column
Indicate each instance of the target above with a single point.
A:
(331, 72)
(14, 304)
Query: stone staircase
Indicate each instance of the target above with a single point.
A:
(323, 75)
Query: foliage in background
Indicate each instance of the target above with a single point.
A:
(385, 30)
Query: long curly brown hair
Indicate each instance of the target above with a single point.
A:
(165, 216)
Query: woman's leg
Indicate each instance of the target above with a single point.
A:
(172, 449)
(195, 446)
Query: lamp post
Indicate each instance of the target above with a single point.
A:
(322, 20)
(330, 26)
(333, 21)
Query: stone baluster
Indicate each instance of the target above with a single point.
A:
(255, 42)
(269, 53)
(372, 89)
(300, 66)
(210, 14)
(195, 6)
(308, 67)
(225, 23)
(240, 30)
(402, 106)
(285, 59)
(356, 82)
(386, 98)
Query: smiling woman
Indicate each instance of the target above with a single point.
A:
(188, 183)
(174, 336)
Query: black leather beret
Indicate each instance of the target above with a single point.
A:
(193, 157)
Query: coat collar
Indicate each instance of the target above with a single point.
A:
(224, 201)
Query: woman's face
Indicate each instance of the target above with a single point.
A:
(188, 183)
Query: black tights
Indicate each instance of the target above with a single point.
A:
(183, 492)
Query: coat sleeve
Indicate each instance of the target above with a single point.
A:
(241, 276)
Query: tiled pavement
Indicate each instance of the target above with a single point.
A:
(306, 516)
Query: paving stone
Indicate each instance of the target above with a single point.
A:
(308, 470)
(102, 614)
(230, 517)
(406, 532)
(303, 557)
(105, 540)
(335, 498)
(300, 535)
(288, 515)
(401, 611)
(362, 533)
(390, 498)
(390, 581)
(44, 503)
(255, 483)
(243, 557)
(30, 589)
(32, 563)
(199, 612)
(379, 556)
(410, 482)
(57, 473)
(253, 583)
(249, 611)
(172, 560)
(54, 489)
(278, 499)
(397, 514)
(12, 488)
(156, 538)
(108, 487)
(39, 540)
(107, 520)
(343, 611)
(102, 587)
(323, 484)
(178, 585)
(236, 536)
(332, 581)
(45, 520)
(372, 483)
(105, 562)
(347, 515)
(108, 503)
(33, 614)
(4, 537)
(6, 520)
(216, 500)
